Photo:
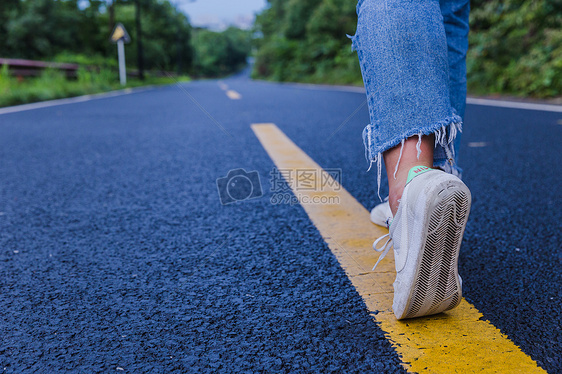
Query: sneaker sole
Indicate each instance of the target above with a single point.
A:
(437, 285)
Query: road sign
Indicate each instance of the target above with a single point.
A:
(120, 36)
(120, 33)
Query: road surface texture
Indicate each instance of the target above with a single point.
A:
(116, 254)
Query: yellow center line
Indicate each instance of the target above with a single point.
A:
(233, 95)
(458, 341)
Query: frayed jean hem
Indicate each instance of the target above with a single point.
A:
(445, 131)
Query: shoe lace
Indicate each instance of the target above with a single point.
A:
(384, 249)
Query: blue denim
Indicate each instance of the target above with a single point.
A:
(412, 55)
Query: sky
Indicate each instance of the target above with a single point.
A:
(219, 14)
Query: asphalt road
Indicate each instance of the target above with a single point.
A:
(117, 255)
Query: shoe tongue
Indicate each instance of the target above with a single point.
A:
(415, 171)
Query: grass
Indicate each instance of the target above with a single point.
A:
(53, 84)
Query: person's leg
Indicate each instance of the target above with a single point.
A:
(455, 18)
(402, 50)
(403, 54)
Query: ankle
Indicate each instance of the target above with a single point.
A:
(395, 190)
(400, 159)
(394, 196)
(397, 186)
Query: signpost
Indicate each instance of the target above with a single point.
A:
(120, 36)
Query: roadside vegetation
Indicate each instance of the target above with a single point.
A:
(74, 31)
(53, 84)
(305, 41)
(516, 48)
(220, 53)
(515, 45)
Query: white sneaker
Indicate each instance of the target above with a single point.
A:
(381, 214)
(426, 234)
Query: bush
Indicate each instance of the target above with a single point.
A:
(515, 45)
(305, 40)
(53, 84)
(87, 60)
(516, 48)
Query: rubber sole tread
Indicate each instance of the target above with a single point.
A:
(437, 282)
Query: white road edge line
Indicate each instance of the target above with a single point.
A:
(469, 100)
(72, 100)
(514, 105)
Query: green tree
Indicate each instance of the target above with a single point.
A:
(34, 29)
(516, 47)
(219, 53)
(45, 29)
(166, 35)
(7, 9)
(305, 40)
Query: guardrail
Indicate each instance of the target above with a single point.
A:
(31, 68)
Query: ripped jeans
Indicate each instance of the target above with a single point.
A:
(412, 55)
